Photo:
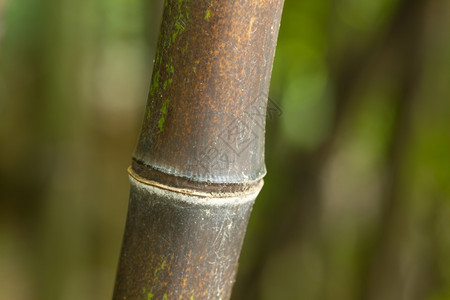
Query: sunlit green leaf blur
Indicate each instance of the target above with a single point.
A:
(356, 202)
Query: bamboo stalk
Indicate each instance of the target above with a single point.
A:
(199, 161)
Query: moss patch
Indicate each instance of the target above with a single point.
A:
(162, 119)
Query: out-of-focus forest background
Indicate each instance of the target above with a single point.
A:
(356, 203)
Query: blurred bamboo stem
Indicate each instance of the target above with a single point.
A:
(199, 161)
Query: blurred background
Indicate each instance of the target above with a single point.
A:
(356, 202)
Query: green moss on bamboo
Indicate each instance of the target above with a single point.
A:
(156, 75)
(170, 71)
(185, 48)
(158, 269)
(155, 81)
(166, 41)
(180, 22)
(162, 119)
(164, 78)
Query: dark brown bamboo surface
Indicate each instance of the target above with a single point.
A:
(205, 115)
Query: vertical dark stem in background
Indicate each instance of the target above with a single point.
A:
(199, 161)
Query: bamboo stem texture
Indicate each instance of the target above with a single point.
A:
(199, 161)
